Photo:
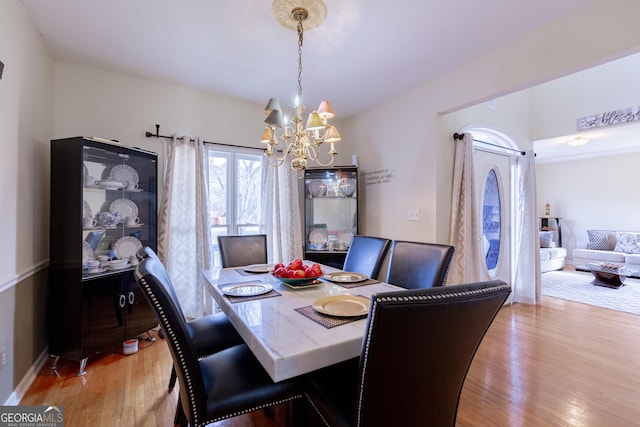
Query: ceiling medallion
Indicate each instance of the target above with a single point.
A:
(316, 13)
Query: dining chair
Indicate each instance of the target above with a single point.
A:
(236, 251)
(366, 255)
(416, 351)
(414, 265)
(222, 385)
(209, 334)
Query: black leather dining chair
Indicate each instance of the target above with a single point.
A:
(415, 265)
(209, 334)
(416, 352)
(236, 251)
(366, 255)
(223, 385)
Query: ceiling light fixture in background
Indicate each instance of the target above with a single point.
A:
(577, 141)
(293, 139)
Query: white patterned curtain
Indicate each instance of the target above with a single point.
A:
(281, 216)
(183, 229)
(466, 266)
(527, 278)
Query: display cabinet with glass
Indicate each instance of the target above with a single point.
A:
(331, 213)
(103, 209)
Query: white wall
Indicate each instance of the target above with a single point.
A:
(557, 104)
(26, 123)
(407, 133)
(91, 102)
(598, 193)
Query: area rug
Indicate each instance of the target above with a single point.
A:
(576, 286)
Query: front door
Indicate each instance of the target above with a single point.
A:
(493, 201)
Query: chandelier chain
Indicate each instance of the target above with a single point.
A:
(300, 37)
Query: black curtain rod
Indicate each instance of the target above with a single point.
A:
(157, 135)
(459, 136)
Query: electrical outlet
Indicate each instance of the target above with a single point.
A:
(413, 215)
(3, 357)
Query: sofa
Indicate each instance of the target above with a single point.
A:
(618, 247)
(551, 256)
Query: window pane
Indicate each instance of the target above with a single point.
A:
(491, 218)
(249, 194)
(218, 185)
(235, 194)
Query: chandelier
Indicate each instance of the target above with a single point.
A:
(291, 138)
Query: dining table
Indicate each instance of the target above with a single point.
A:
(283, 329)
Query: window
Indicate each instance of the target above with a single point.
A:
(491, 220)
(236, 186)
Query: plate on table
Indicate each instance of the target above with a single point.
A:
(126, 208)
(124, 174)
(259, 268)
(126, 246)
(246, 289)
(346, 277)
(292, 283)
(342, 305)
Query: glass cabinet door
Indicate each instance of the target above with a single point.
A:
(331, 210)
(118, 207)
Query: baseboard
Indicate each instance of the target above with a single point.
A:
(17, 394)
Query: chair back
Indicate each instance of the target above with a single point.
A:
(414, 265)
(366, 255)
(236, 251)
(158, 290)
(417, 349)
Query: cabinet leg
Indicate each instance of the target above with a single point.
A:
(54, 364)
(83, 364)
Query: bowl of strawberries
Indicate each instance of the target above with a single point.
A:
(296, 273)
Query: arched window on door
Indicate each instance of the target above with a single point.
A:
(491, 221)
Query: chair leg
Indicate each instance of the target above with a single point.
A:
(172, 378)
(180, 418)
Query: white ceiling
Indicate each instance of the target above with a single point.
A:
(611, 141)
(365, 51)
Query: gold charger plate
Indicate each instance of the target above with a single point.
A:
(342, 305)
(249, 289)
(346, 277)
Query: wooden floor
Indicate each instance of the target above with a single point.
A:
(556, 364)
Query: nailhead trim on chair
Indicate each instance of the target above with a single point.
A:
(446, 273)
(317, 411)
(410, 298)
(171, 335)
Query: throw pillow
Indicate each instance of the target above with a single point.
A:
(598, 240)
(546, 239)
(626, 242)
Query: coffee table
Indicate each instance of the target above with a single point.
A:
(607, 276)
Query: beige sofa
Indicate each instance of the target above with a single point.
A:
(552, 259)
(618, 247)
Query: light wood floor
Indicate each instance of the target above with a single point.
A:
(556, 364)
